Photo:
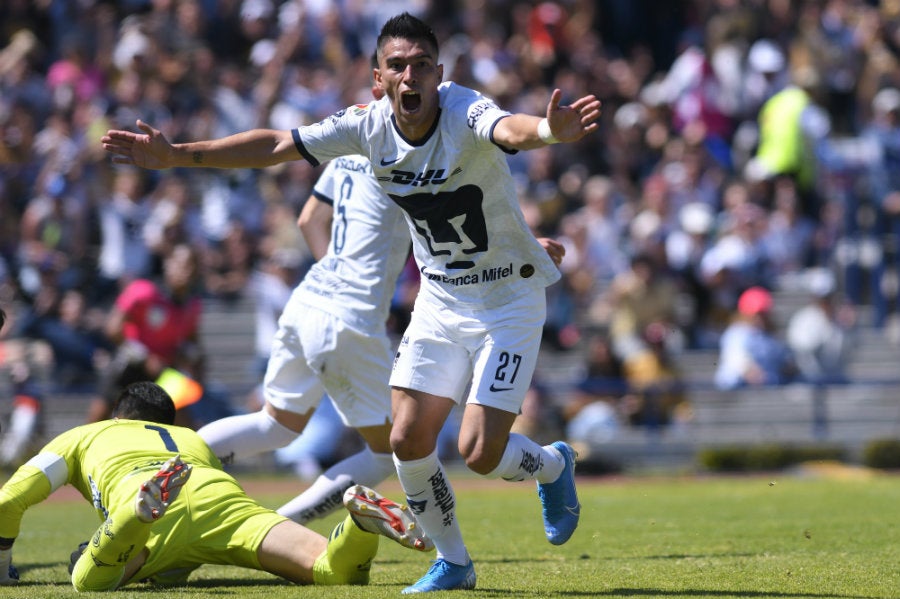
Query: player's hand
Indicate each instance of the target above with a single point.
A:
(572, 122)
(554, 249)
(149, 149)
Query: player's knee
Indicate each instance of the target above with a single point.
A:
(409, 446)
(479, 457)
(287, 419)
(404, 448)
(91, 579)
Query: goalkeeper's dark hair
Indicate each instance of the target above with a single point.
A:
(407, 27)
(145, 401)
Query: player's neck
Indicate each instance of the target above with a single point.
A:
(418, 131)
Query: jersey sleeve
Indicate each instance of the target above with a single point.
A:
(33, 482)
(340, 134)
(481, 113)
(28, 486)
(323, 190)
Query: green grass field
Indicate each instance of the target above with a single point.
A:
(779, 536)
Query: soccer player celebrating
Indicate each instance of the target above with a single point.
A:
(167, 507)
(438, 150)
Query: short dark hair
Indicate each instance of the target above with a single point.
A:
(407, 27)
(145, 400)
(2, 318)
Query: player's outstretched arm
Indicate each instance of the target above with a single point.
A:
(257, 148)
(562, 124)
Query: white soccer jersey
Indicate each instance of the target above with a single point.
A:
(369, 244)
(470, 240)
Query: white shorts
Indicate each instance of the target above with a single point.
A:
(444, 349)
(314, 352)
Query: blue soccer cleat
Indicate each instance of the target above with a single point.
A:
(444, 576)
(560, 500)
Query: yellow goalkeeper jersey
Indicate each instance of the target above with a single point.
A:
(101, 459)
(213, 521)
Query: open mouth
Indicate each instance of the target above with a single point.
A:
(410, 101)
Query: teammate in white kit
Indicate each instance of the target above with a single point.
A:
(438, 150)
(332, 338)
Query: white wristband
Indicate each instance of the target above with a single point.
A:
(543, 131)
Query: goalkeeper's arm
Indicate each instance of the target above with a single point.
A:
(28, 486)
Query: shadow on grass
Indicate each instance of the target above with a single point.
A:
(696, 555)
(226, 587)
(723, 594)
(622, 592)
(222, 584)
(24, 567)
(208, 584)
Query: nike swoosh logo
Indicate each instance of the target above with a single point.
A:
(493, 388)
(416, 494)
(573, 510)
(388, 162)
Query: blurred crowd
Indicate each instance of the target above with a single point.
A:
(743, 144)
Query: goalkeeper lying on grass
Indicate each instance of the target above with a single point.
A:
(167, 508)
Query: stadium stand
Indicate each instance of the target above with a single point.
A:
(845, 415)
(673, 137)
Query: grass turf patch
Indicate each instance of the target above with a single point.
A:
(791, 537)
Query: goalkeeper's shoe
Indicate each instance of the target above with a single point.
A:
(156, 494)
(561, 509)
(12, 576)
(444, 576)
(75, 555)
(377, 514)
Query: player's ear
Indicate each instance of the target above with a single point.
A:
(440, 70)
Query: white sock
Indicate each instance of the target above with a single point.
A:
(22, 425)
(246, 435)
(431, 499)
(326, 494)
(523, 458)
